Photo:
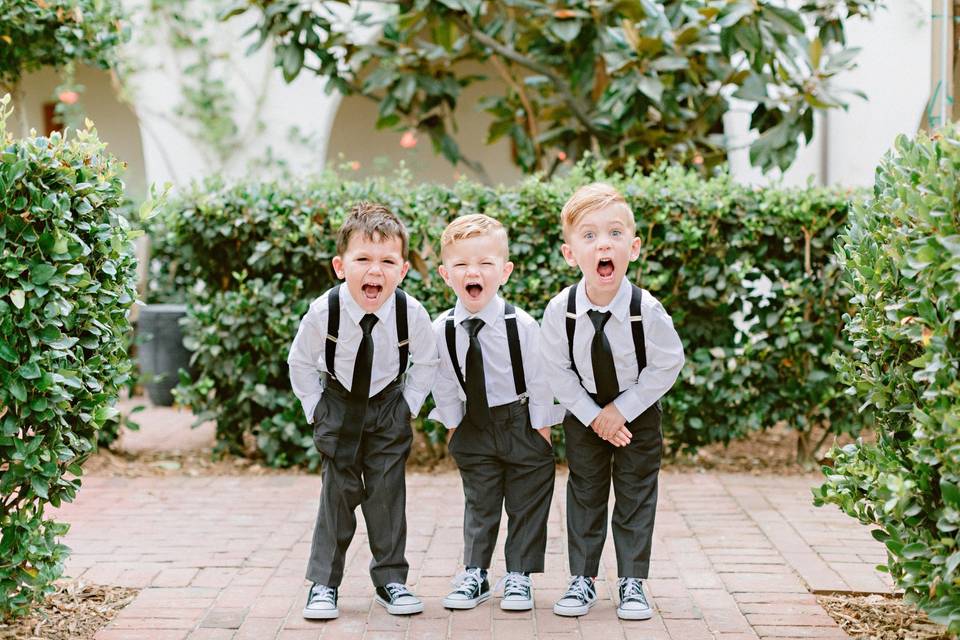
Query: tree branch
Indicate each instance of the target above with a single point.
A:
(511, 54)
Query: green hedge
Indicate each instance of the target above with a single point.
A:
(67, 278)
(902, 255)
(712, 249)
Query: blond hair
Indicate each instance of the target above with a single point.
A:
(590, 198)
(471, 226)
(376, 222)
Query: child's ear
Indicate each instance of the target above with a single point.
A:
(507, 270)
(338, 267)
(404, 269)
(442, 270)
(635, 249)
(568, 255)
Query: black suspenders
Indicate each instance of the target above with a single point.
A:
(333, 329)
(636, 326)
(513, 342)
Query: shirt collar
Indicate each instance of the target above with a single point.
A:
(356, 312)
(489, 314)
(619, 306)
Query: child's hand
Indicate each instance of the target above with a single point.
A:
(611, 426)
(545, 432)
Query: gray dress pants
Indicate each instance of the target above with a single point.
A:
(634, 468)
(504, 464)
(376, 483)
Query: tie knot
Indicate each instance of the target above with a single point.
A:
(598, 318)
(367, 322)
(473, 326)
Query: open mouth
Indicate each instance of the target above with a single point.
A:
(371, 291)
(474, 290)
(605, 267)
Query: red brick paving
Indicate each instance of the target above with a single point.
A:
(735, 557)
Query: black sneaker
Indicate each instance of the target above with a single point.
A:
(517, 592)
(321, 603)
(398, 600)
(580, 596)
(472, 588)
(633, 604)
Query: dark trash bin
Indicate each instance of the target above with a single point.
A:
(160, 350)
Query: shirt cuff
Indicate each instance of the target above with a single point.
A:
(309, 405)
(546, 415)
(629, 406)
(585, 410)
(450, 415)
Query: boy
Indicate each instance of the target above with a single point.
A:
(359, 338)
(491, 393)
(611, 352)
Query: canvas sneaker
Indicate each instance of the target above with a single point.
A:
(633, 604)
(472, 588)
(398, 600)
(517, 592)
(580, 596)
(321, 603)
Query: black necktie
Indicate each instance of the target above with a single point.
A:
(601, 358)
(359, 394)
(477, 408)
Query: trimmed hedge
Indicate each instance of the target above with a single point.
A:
(747, 274)
(67, 281)
(902, 257)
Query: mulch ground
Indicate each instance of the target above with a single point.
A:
(76, 611)
(768, 452)
(877, 617)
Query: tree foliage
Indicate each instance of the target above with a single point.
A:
(640, 79)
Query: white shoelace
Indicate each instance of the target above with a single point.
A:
(468, 582)
(397, 590)
(322, 593)
(515, 584)
(579, 588)
(632, 590)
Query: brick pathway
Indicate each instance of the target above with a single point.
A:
(735, 557)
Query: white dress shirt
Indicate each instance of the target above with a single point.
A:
(307, 358)
(664, 353)
(497, 367)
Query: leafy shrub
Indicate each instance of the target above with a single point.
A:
(901, 253)
(747, 275)
(66, 284)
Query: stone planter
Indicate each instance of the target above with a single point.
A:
(160, 350)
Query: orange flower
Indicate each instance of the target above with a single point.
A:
(355, 165)
(68, 97)
(408, 140)
(562, 155)
(564, 13)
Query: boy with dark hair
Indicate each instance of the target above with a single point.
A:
(349, 368)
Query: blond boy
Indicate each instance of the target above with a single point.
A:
(492, 394)
(349, 368)
(611, 352)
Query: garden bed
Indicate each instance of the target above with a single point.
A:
(77, 610)
(878, 617)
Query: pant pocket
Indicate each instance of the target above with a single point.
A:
(327, 421)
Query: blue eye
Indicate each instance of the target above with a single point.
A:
(616, 233)
(588, 235)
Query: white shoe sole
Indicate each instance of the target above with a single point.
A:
(573, 612)
(465, 604)
(400, 609)
(634, 615)
(321, 614)
(516, 605)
